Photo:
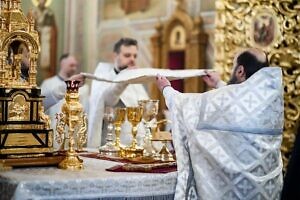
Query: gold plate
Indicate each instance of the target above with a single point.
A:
(142, 160)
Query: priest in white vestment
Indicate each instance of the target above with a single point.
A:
(227, 141)
(54, 88)
(105, 94)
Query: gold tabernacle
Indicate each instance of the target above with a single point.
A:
(24, 128)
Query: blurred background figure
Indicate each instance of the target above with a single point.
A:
(54, 88)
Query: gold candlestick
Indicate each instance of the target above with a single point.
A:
(72, 125)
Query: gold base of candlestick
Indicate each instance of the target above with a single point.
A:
(71, 162)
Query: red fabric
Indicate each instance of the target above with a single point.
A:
(162, 169)
(137, 165)
(176, 61)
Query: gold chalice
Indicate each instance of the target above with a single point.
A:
(134, 116)
(120, 114)
(109, 149)
(150, 110)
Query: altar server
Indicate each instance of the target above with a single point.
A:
(105, 94)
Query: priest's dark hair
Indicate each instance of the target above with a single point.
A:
(251, 63)
(63, 56)
(126, 42)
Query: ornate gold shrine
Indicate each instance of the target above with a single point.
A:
(24, 128)
(273, 26)
(180, 36)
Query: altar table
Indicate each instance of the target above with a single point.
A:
(93, 182)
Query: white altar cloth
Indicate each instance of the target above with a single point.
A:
(90, 183)
(145, 75)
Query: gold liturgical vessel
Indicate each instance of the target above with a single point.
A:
(25, 134)
(150, 110)
(109, 149)
(115, 118)
(163, 136)
(71, 125)
(120, 114)
(134, 116)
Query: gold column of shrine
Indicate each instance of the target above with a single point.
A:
(273, 26)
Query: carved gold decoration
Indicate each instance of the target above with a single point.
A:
(24, 128)
(44, 118)
(180, 33)
(19, 109)
(82, 133)
(21, 126)
(273, 26)
(71, 124)
(23, 139)
(60, 135)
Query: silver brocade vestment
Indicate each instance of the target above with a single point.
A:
(227, 140)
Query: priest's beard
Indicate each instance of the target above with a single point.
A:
(233, 80)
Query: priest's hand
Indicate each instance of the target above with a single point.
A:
(211, 79)
(78, 77)
(162, 82)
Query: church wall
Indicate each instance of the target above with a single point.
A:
(141, 25)
(137, 24)
(88, 29)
